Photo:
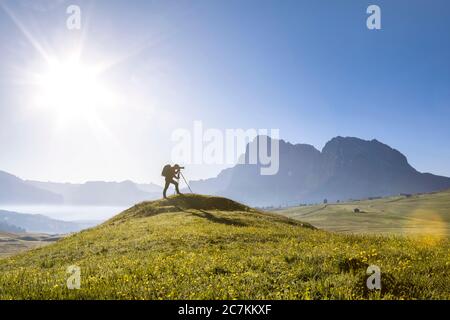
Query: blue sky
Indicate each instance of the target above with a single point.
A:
(310, 68)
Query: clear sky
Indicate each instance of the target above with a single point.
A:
(310, 68)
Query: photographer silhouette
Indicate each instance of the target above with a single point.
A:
(171, 173)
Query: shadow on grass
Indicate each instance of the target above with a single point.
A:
(209, 216)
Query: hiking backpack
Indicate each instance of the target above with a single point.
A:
(166, 170)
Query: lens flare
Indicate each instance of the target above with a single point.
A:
(428, 225)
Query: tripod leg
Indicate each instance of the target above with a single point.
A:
(186, 182)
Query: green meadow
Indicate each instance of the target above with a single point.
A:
(199, 247)
(421, 214)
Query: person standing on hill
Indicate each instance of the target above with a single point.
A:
(170, 174)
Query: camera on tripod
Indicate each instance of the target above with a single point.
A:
(178, 167)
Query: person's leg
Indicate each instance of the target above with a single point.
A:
(175, 183)
(166, 187)
(176, 186)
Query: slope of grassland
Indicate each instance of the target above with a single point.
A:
(197, 247)
(421, 214)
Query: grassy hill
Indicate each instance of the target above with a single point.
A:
(413, 215)
(198, 247)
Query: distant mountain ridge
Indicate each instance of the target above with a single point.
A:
(6, 227)
(101, 193)
(346, 168)
(14, 190)
(38, 223)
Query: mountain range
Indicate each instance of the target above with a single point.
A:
(100, 193)
(37, 223)
(6, 227)
(346, 168)
(14, 190)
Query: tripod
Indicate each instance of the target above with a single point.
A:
(186, 181)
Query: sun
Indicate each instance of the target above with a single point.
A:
(72, 89)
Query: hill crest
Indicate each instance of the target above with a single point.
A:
(214, 208)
